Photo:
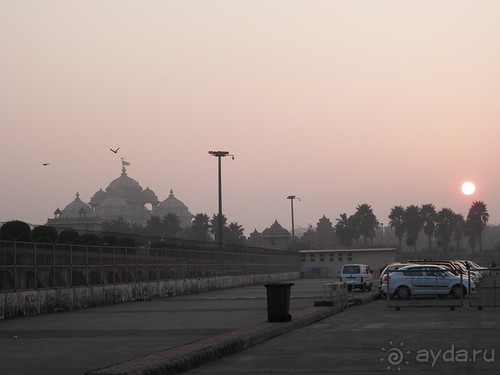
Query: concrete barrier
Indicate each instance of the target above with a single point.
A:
(41, 301)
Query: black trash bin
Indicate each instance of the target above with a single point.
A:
(278, 302)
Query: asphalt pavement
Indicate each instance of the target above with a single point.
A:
(163, 336)
(375, 339)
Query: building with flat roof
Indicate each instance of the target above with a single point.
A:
(327, 263)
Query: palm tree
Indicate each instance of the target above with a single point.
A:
(235, 233)
(477, 219)
(367, 222)
(171, 225)
(458, 230)
(344, 231)
(214, 225)
(445, 223)
(200, 227)
(428, 214)
(397, 223)
(413, 224)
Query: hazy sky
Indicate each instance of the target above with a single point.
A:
(337, 102)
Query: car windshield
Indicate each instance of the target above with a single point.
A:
(351, 269)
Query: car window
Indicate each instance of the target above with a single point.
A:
(414, 272)
(351, 269)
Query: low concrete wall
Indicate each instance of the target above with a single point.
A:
(31, 302)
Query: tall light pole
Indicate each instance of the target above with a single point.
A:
(219, 155)
(292, 197)
(382, 225)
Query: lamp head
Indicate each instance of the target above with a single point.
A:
(219, 153)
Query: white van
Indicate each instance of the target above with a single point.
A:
(358, 275)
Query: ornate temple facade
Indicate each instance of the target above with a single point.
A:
(276, 237)
(123, 199)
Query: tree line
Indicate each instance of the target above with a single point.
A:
(442, 228)
(119, 232)
(202, 228)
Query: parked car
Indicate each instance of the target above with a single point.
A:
(426, 280)
(450, 265)
(389, 268)
(358, 275)
(454, 266)
(476, 268)
(474, 275)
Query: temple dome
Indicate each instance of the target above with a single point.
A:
(98, 197)
(77, 209)
(175, 206)
(124, 184)
(150, 196)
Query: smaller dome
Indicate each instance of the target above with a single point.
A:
(175, 206)
(149, 195)
(172, 203)
(77, 209)
(98, 197)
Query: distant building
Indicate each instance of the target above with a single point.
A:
(124, 199)
(276, 237)
(327, 263)
(255, 239)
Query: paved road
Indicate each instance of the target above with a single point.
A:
(372, 338)
(363, 339)
(77, 342)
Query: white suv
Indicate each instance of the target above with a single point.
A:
(359, 275)
(425, 280)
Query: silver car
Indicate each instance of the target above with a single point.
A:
(425, 280)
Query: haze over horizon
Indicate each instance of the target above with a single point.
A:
(337, 102)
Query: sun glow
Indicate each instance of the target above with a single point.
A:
(468, 188)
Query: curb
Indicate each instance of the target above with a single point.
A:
(185, 357)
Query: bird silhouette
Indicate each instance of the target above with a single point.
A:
(45, 164)
(115, 151)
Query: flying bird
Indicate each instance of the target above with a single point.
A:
(45, 164)
(115, 151)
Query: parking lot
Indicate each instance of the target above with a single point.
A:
(362, 339)
(440, 284)
(373, 338)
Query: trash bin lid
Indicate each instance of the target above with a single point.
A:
(279, 284)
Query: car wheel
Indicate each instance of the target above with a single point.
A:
(403, 292)
(458, 291)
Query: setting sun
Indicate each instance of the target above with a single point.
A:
(468, 188)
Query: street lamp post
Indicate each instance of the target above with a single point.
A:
(292, 197)
(382, 225)
(219, 155)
